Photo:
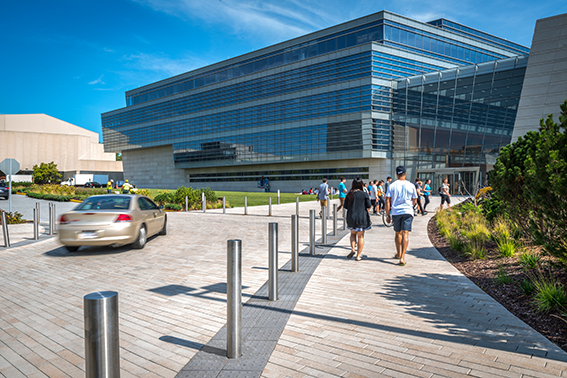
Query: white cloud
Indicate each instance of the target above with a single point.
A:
(267, 19)
(97, 81)
(162, 64)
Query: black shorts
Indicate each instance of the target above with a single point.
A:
(402, 222)
(445, 198)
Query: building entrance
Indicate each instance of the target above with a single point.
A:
(462, 181)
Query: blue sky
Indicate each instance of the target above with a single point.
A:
(74, 59)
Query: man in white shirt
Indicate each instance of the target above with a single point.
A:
(401, 198)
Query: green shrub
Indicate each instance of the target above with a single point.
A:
(474, 251)
(163, 198)
(455, 243)
(527, 286)
(144, 192)
(530, 259)
(501, 228)
(550, 294)
(21, 184)
(13, 218)
(530, 178)
(210, 195)
(182, 192)
(50, 197)
(90, 191)
(173, 206)
(507, 248)
(493, 208)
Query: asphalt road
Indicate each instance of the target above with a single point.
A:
(25, 206)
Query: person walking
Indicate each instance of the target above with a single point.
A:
(387, 184)
(342, 192)
(373, 192)
(401, 198)
(323, 195)
(357, 203)
(444, 193)
(419, 194)
(381, 194)
(426, 193)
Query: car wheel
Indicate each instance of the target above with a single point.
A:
(142, 237)
(72, 249)
(164, 229)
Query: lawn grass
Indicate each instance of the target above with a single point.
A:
(236, 199)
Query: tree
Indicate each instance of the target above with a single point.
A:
(45, 173)
(118, 156)
(530, 176)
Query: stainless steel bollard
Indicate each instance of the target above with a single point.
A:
(324, 225)
(50, 228)
(35, 225)
(344, 219)
(204, 202)
(186, 203)
(102, 349)
(270, 206)
(5, 230)
(54, 219)
(335, 220)
(278, 196)
(223, 204)
(297, 206)
(234, 299)
(38, 214)
(294, 243)
(273, 261)
(245, 205)
(312, 232)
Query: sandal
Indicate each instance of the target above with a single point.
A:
(349, 256)
(359, 258)
(402, 263)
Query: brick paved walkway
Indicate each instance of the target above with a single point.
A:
(375, 318)
(369, 318)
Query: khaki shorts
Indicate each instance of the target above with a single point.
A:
(323, 203)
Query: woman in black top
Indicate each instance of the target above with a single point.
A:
(357, 203)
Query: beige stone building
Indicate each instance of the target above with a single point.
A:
(38, 138)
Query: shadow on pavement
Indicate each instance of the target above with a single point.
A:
(92, 250)
(182, 342)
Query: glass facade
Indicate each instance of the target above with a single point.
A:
(457, 118)
(349, 92)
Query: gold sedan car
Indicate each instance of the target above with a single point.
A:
(112, 220)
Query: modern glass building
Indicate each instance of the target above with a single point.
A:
(453, 123)
(341, 101)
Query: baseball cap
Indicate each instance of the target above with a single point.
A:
(400, 170)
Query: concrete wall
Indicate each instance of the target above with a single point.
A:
(545, 84)
(37, 138)
(154, 168)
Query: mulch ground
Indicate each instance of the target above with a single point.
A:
(484, 274)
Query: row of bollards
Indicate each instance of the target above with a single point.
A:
(102, 349)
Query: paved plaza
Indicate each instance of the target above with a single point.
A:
(352, 319)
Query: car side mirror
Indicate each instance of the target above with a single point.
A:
(161, 206)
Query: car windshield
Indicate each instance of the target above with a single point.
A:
(105, 203)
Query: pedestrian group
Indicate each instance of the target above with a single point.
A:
(400, 200)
